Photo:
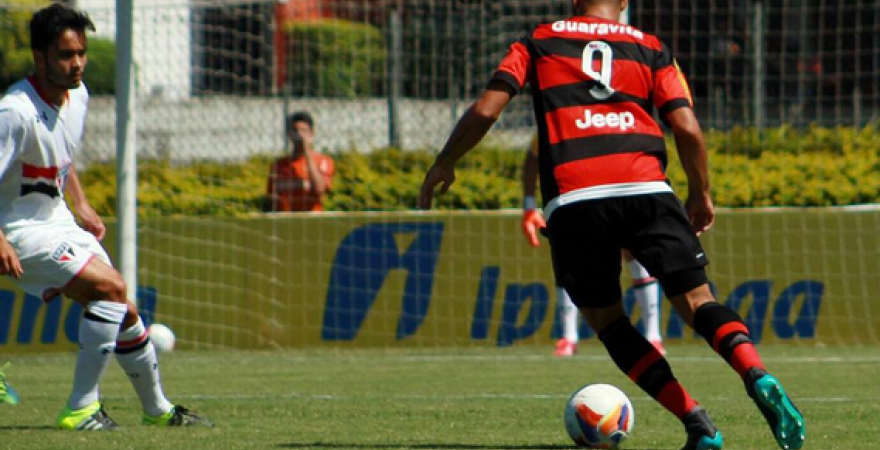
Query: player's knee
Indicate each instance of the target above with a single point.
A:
(131, 315)
(687, 303)
(114, 289)
(600, 318)
(683, 282)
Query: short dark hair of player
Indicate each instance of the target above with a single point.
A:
(48, 23)
(300, 116)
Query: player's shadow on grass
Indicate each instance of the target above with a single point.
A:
(333, 445)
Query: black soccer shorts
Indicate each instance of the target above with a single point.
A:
(586, 238)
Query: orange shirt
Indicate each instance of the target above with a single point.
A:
(290, 188)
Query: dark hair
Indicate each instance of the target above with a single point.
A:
(300, 116)
(48, 23)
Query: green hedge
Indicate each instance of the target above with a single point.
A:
(16, 60)
(100, 74)
(794, 172)
(15, 48)
(335, 58)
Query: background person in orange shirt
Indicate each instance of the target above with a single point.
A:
(300, 181)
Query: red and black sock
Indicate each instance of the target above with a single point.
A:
(645, 366)
(728, 335)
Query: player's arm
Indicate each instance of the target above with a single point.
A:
(12, 133)
(511, 76)
(9, 262)
(89, 219)
(532, 220)
(692, 151)
(468, 132)
(673, 100)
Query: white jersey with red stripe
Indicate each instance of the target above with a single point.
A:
(37, 143)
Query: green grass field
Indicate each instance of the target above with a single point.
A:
(490, 399)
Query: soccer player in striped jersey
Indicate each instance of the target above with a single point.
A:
(646, 288)
(42, 119)
(595, 84)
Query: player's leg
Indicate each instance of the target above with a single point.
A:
(667, 246)
(137, 357)
(647, 292)
(585, 243)
(54, 262)
(649, 369)
(101, 292)
(661, 239)
(568, 316)
(134, 351)
(728, 335)
(7, 393)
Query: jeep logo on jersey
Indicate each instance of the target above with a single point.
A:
(622, 121)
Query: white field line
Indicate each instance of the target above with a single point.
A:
(332, 397)
(536, 358)
(243, 357)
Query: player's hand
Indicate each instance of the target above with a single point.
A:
(532, 221)
(9, 263)
(91, 221)
(437, 175)
(701, 212)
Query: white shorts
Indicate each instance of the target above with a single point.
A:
(53, 255)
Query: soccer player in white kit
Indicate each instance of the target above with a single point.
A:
(42, 119)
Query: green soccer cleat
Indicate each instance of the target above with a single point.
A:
(177, 417)
(784, 418)
(702, 434)
(90, 418)
(7, 394)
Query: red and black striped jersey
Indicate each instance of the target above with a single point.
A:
(595, 84)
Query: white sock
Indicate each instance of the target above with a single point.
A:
(648, 297)
(137, 356)
(98, 329)
(568, 314)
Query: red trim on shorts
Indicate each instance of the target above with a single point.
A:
(726, 330)
(643, 364)
(74, 277)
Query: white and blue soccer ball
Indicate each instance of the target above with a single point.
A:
(162, 337)
(599, 416)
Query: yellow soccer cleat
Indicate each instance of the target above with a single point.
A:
(177, 417)
(90, 418)
(7, 394)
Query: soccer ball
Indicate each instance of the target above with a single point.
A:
(162, 337)
(599, 416)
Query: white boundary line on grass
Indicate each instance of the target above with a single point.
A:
(468, 397)
(242, 357)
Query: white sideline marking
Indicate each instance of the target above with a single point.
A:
(536, 358)
(243, 356)
(466, 397)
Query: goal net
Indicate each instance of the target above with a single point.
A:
(787, 92)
